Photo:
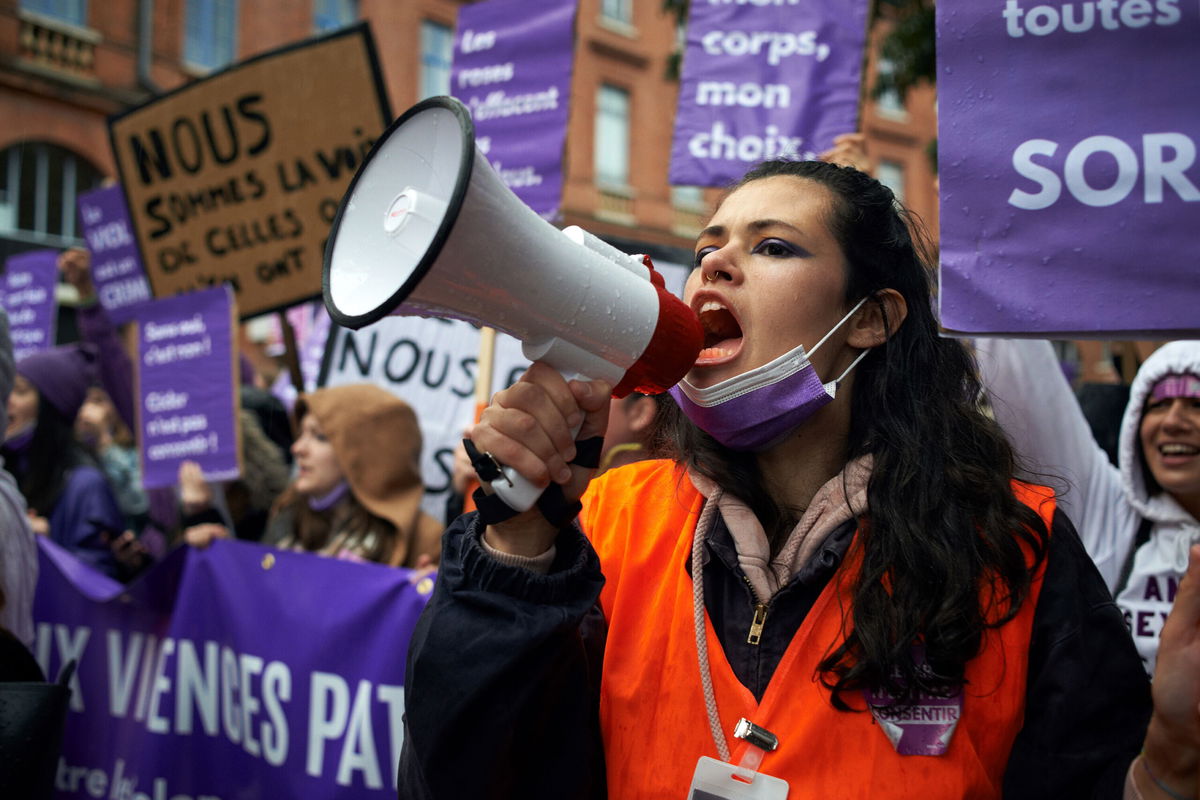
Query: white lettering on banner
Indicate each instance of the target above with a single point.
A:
(1111, 14)
(35, 295)
(18, 279)
(718, 144)
(499, 104)
(170, 353)
(156, 331)
(108, 236)
(166, 401)
(1158, 169)
(96, 782)
(69, 643)
(778, 45)
(26, 316)
(115, 269)
(746, 95)
(474, 42)
(333, 717)
(481, 76)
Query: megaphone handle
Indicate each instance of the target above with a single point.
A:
(517, 492)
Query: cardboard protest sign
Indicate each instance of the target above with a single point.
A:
(187, 387)
(27, 295)
(765, 80)
(236, 178)
(117, 271)
(1070, 187)
(512, 69)
(228, 673)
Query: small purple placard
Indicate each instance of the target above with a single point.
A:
(765, 80)
(187, 386)
(512, 69)
(27, 294)
(1070, 183)
(117, 270)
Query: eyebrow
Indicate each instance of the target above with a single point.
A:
(756, 225)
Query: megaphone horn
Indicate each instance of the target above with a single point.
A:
(428, 228)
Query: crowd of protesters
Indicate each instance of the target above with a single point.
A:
(340, 477)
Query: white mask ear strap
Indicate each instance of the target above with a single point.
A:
(853, 364)
(841, 322)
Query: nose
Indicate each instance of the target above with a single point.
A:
(1178, 416)
(297, 446)
(718, 265)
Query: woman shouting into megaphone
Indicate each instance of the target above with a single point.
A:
(830, 585)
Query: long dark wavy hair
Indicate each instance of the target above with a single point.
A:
(42, 469)
(942, 521)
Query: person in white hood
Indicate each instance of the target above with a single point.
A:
(1136, 520)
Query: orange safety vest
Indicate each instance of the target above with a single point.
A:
(641, 519)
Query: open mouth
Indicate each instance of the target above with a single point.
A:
(722, 333)
(1174, 449)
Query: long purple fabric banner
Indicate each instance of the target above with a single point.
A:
(27, 295)
(234, 672)
(1069, 179)
(117, 271)
(762, 80)
(512, 69)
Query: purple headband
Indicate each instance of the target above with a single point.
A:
(1176, 386)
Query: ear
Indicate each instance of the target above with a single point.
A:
(878, 319)
(642, 414)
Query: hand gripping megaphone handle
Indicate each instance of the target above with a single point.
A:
(518, 493)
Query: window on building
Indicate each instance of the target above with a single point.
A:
(210, 33)
(39, 183)
(330, 15)
(687, 196)
(437, 49)
(889, 103)
(72, 11)
(891, 175)
(617, 11)
(612, 136)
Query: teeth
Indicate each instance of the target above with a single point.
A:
(710, 305)
(1178, 450)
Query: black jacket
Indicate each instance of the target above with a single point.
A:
(503, 678)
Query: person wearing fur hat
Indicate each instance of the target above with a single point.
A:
(1137, 519)
(357, 489)
(69, 498)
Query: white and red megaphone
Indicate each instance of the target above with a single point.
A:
(427, 228)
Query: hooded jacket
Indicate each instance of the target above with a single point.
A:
(1037, 408)
(377, 443)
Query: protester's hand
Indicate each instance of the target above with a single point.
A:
(1172, 747)
(128, 550)
(849, 150)
(529, 427)
(76, 267)
(195, 493)
(202, 536)
(40, 525)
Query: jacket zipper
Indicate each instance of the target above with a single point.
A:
(760, 615)
(756, 625)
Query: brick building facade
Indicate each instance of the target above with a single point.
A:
(66, 65)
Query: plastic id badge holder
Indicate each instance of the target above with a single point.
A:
(719, 780)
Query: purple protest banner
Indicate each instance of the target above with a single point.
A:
(1067, 149)
(27, 294)
(187, 386)
(765, 80)
(117, 271)
(512, 69)
(232, 672)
